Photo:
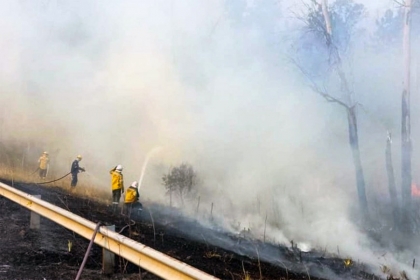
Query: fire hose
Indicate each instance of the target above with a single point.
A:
(131, 223)
(79, 273)
(34, 172)
(55, 179)
(41, 183)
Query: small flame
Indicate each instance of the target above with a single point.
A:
(415, 190)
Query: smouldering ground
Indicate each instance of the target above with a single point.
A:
(29, 254)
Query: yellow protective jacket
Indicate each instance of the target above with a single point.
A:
(132, 195)
(43, 162)
(117, 181)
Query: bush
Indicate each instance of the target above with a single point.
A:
(181, 180)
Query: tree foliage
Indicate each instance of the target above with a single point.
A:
(314, 45)
(389, 28)
(181, 180)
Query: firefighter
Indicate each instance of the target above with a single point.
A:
(75, 169)
(117, 185)
(132, 199)
(43, 165)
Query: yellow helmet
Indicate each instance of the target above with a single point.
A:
(79, 157)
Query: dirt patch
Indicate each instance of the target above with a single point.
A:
(45, 254)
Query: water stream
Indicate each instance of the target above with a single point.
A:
(146, 161)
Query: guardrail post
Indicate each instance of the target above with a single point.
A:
(35, 218)
(108, 258)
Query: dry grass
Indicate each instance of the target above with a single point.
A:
(9, 173)
(85, 188)
(246, 274)
(212, 254)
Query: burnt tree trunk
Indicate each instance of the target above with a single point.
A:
(406, 158)
(354, 144)
(181, 196)
(405, 121)
(351, 114)
(391, 180)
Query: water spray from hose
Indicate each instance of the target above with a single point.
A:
(143, 169)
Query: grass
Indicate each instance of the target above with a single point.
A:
(212, 254)
(153, 224)
(246, 274)
(85, 188)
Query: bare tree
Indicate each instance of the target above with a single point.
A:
(391, 179)
(405, 116)
(320, 22)
(351, 113)
(180, 180)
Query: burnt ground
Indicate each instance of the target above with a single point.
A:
(44, 254)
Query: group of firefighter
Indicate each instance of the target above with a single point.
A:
(131, 200)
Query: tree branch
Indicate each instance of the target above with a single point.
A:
(327, 18)
(322, 92)
(403, 4)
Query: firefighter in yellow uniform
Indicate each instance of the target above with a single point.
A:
(43, 165)
(131, 200)
(117, 185)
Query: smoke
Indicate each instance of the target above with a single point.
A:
(113, 80)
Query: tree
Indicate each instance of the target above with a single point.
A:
(330, 29)
(388, 28)
(405, 116)
(314, 45)
(181, 180)
(391, 179)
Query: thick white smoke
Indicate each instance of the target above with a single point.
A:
(113, 80)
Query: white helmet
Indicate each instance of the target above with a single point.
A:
(119, 168)
(134, 184)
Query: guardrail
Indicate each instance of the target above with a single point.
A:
(154, 261)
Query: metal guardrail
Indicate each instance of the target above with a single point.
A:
(154, 261)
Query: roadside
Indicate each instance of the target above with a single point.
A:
(29, 254)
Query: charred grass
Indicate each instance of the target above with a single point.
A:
(50, 248)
